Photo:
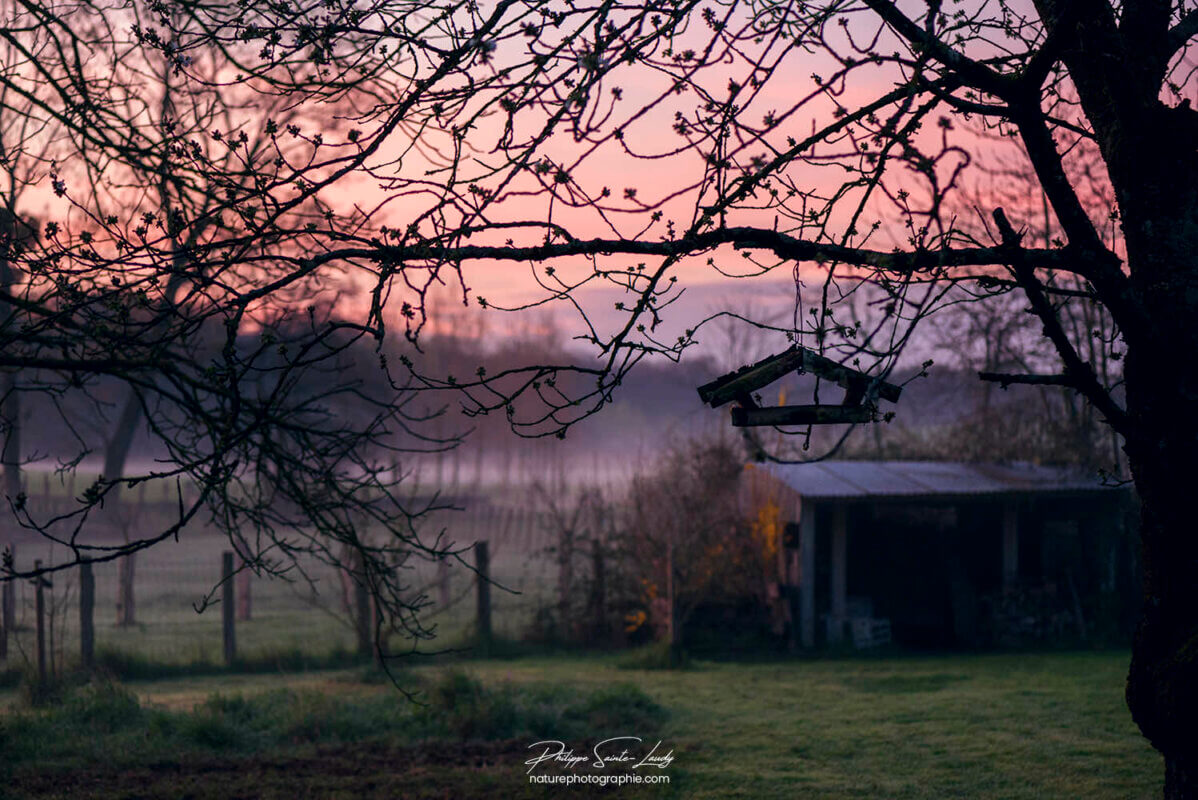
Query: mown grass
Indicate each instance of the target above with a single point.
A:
(985, 726)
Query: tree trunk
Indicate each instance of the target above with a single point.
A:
(115, 455)
(10, 456)
(10, 398)
(1162, 683)
(10, 460)
(1181, 778)
(1153, 166)
(1162, 449)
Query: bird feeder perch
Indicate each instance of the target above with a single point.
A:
(860, 396)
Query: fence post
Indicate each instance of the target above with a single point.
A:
(482, 565)
(362, 605)
(87, 621)
(40, 610)
(227, 611)
(8, 610)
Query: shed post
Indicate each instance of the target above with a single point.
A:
(1010, 544)
(839, 554)
(807, 575)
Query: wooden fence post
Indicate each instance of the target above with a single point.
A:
(228, 609)
(87, 620)
(362, 609)
(40, 611)
(8, 610)
(482, 564)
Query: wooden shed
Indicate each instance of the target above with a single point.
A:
(934, 554)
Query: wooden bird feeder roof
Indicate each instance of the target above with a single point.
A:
(859, 405)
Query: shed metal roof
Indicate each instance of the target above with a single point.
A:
(908, 479)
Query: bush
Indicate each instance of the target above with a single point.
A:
(688, 542)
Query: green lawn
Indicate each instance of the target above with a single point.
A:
(986, 726)
(1002, 726)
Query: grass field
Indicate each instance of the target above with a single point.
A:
(985, 726)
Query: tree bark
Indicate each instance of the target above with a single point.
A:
(1181, 779)
(1162, 448)
(11, 457)
(1149, 150)
(1162, 683)
(10, 460)
(115, 455)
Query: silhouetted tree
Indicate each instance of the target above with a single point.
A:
(240, 376)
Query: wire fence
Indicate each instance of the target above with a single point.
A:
(170, 621)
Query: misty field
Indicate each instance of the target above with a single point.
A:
(986, 726)
(302, 614)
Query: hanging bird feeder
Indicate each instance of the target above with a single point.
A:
(860, 396)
